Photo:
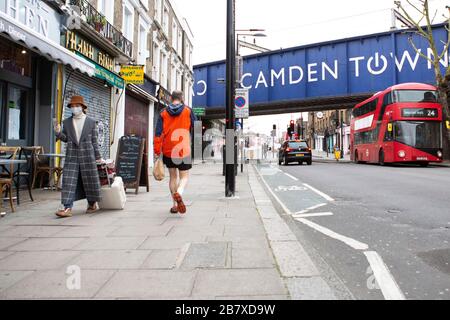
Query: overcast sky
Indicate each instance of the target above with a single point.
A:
(287, 23)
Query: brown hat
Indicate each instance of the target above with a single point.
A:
(77, 100)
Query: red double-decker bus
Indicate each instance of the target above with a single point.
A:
(402, 124)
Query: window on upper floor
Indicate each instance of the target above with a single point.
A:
(180, 42)
(156, 62)
(158, 10)
(165, 21)
(174, 36)
(128, 21)
(143, 53)
(107, 10)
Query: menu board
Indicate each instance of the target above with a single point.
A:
(129, 163)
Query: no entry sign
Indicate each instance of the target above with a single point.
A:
(241, 104)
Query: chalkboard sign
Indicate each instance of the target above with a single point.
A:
(129, 162)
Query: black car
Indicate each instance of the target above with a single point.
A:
(295, 151)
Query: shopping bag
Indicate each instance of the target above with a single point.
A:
(158, 170)
(113, 197)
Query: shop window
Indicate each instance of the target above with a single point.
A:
(15, 58)
(17, 106)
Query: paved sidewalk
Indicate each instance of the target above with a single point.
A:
(219, 250)
(322, 156)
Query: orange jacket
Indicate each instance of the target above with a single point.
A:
(173, 132)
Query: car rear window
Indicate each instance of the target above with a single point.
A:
(296, 145)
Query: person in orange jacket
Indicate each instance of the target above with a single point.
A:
(173, 140)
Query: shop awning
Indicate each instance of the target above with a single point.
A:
(47, 48)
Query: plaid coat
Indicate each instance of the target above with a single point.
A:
(80, 175)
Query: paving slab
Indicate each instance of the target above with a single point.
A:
(33, 231)
(208, 255)
(86, 231)
(149, 284)
(111, 259)
(46, 244)
(110, 243)
(165, 243)
(141, 231)
(140, 221)
(181, 231)
(9, 278)
(8, 242)
(239, 282)
(314, 288)
(4, 254)
(53, 284)
(42, 260)
(162, 259)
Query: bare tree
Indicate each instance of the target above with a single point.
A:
(422, 25)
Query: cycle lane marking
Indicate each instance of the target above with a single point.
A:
(384, 278)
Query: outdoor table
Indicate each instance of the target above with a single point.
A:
(7, 162)
(52, 157)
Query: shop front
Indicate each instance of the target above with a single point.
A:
(100, 92)
(30, 52)
(139, 113)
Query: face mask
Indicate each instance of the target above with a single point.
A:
(76, 111)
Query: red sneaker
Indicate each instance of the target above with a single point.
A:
(179, 200)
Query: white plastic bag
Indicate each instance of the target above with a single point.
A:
(114, 197)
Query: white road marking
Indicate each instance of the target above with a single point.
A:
(273, 194)
(311, 208)
(311, 215)
(320, 193)
(388, 286)
(355, 244)
(291, 176)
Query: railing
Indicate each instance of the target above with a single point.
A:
(98, 21)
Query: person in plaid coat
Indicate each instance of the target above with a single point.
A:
(80, 174)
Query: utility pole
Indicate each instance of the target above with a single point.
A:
(230, 178)
(342, 133)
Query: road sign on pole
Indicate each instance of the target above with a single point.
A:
(241, 104)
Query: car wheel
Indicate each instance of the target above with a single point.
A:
(309, 163)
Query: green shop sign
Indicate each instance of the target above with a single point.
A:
(101, 73)
(108, 76)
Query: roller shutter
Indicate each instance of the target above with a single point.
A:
(98, 99)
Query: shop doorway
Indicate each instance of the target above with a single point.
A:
(136, 117)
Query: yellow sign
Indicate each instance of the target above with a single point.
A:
(448, 124)
(390, 127)
(132, 74)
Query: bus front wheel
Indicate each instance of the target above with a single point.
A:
(356, 158)
(381, 158)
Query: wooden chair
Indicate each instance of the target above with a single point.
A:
(43, 168)
(7, 178)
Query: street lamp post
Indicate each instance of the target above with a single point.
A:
(230, 178)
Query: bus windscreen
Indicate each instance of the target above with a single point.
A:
(415, 96)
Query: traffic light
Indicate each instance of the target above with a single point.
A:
(291, 129)
(274, 127)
